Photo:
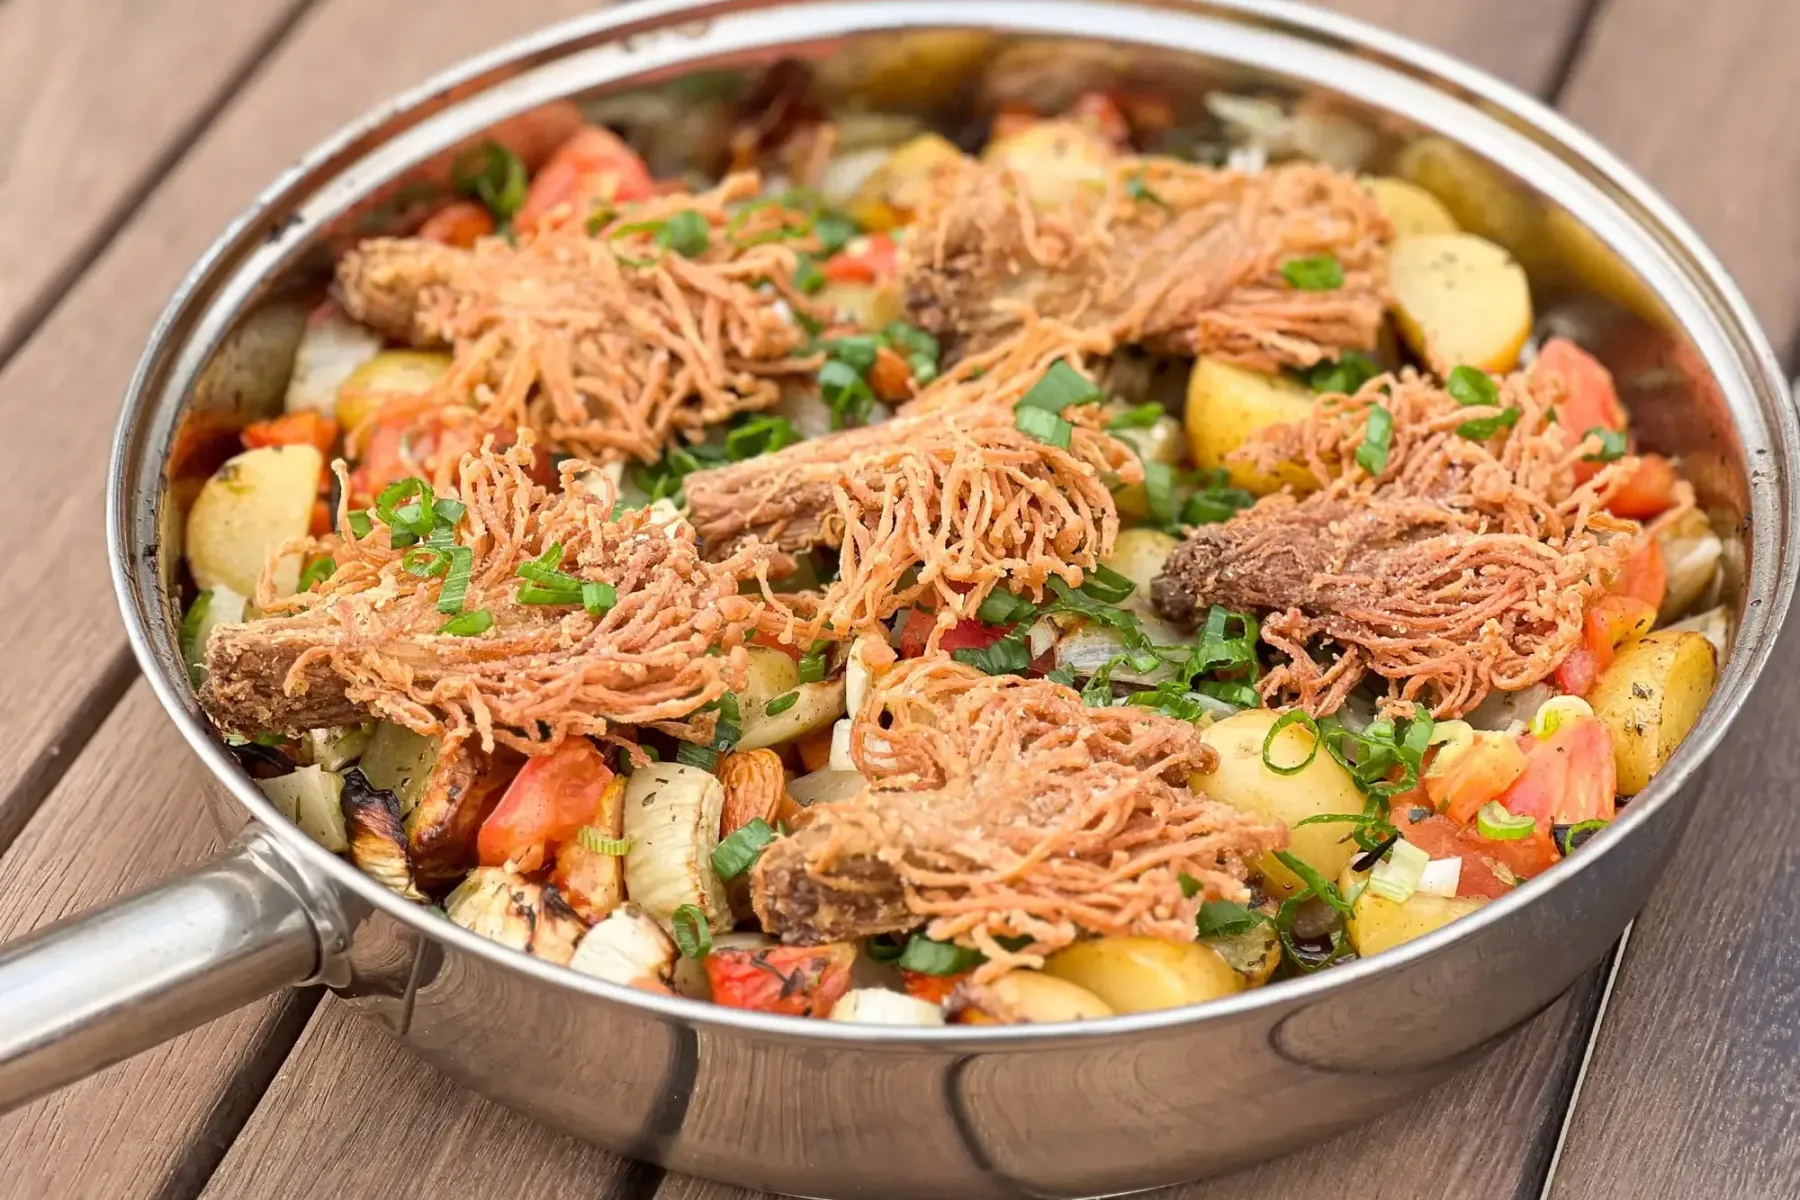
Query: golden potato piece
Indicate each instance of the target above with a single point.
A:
(1650, 698)
(1408, 207)
(1377, 923)
(1226, 405)
(1054, 159)
(251, 505)
(387, 375)
(1322, 786)
(1460, 300)
(1137, 974)
(1025, 997)
(889, 197)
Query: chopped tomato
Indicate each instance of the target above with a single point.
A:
(304, 428)
(1590, 398)
(1649, 492)
(552, 797)
(797, 981)
(1577, 673)
(320, 523)
(1569, 776)
(408, 434)
(1645, 576)
(1469, 777)
(1606, 624)
(1489, 867)
(593, 167)
(870, 259)
(933, 989)
(964, 635)
(459, 223)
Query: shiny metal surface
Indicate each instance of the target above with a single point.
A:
(96, 988)
(815, 1108)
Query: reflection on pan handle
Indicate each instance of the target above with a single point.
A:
(101, 986)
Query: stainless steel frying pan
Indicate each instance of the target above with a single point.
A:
(818, 1108)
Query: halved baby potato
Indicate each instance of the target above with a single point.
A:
(1650, 698)
(255, 502)
(1460, 300)
(1025, 997)
(1226, 405)
(1322, 786)
(387, 375)
(1055, 160)
(1408, 207)
(1137, 974)
(1377, 923)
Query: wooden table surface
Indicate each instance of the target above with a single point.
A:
(132, 130)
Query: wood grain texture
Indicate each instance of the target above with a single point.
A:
(93, 96)
(1701, 98)
(1521, 41)
(124, 817)
(352, 1115)
(59, 396)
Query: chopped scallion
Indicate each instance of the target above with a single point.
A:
(693, 936)
(782, 703)
(695, 755)
(593, 840)
(1143, 416)
(1293, 717)
(1106, 585)
(1314, 273)
(456, 581)
(1494, 821)
(478, 620)
(598, 597)
(1613, 444)
(1483, 428)
(1378, 435)
(735, 854)
(318, 570)
(1044, 425)
(937, 958)
(1060, 387)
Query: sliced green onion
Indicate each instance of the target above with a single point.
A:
(1613, 444)
(477, 620)
(537, 593)
(1397, 876)
(593, 840)
(1001, 607)
(1225, 918)
(781, 703)
(1190, 887)
(360, 524)
(1106, 585)
(1314, 273)
(1483, 428)
(807, 276)
(426, 562)
(937, 958)
(834, 231)
(598, 597)
(494, 175)
(448, 511)
(1143, 416)
(318, 570)
(1495, 822)
(1159, 491)
(695, 755)
(735, 854)
(858, 350)
(456, 582)
(693, 936)
(1137, 189)
(1045, 426)
(782, 233)
(1570, 838)
(1552, 713)
(758, 436)
(416, 519)
(1469, 386)
(845, 392)
(1320, 886)
(1378, 435)
(921, 349)
(1060, 387)
(1214, 504)
(686, 233)
(812, 666)
(1295, 717)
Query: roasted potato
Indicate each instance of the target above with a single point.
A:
(1460, 300)
(888, 198)
(1377, 923)
(1226, 405)
(1650, 698)
(870, 305)
(1137, 974)
(1253, 954)
(387, 375)
(1477, 197)
(816, 706)
(1322, 786)
(1025, 997)
(1055, 160)
(1162, 442)
(255, 502)
(1408, 207)
(1139, 555)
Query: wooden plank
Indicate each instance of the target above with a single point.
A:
(1523, 42)
(94, 97)
(153, 1126)
(342, 58)
(354, 1116)
(1690, 1090)
(1700, 98)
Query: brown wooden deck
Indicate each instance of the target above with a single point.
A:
(130, 134)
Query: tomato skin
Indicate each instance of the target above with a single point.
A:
(796, 981)
(933, 989)
(1484, 859)
(1649, 492)
(870, 259)
(593, 166)
(304, 428)
(964, 635)
(459, 223)
(551, 798)
(1590, 398)
(1645, 575)
(1577, 673)
(1459, 786)
(1569, 776)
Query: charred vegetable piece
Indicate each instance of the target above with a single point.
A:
(672, 814)
(377, 837)
(800, 981)
(1025, 997)
(627, 948)
(590, 868)
(514, 911)
(545, 806)
(878, 1006)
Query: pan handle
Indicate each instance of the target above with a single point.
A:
(103, 985)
